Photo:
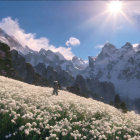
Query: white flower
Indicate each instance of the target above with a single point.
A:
(26, 131)
(28, 125)
(13, 121)
(47, 138)
(64, 133)
(75, 115)
(34, 124)
(21, 128)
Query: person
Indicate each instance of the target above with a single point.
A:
(55, 87)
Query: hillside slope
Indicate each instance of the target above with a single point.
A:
(32, 113)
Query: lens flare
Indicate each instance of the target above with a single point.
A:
(115, 7)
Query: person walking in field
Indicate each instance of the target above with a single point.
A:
(55, 87)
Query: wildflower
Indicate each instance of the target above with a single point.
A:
(26, 131)
(21, 128)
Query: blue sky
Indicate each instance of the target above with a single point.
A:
(85, 21)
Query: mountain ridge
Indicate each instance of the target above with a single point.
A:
(121, 67)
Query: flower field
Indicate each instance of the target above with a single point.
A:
(30, 112)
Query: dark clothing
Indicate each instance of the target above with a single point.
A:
(55, 88)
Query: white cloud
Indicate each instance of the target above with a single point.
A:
(99, 46)
(73, 42)
(12, 28)
(135, 45)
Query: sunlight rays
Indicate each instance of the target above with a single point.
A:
(103, 20)
(115, 7)
(114, 14)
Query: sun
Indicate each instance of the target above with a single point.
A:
(115, 7)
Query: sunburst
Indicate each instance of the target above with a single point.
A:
(115, 7)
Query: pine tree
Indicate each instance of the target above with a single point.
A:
(117, 101)
(123, 107)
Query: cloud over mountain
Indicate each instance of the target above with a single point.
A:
(99, 46)
(73, 42)
(13, 28)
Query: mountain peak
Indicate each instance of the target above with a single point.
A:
(108, 47)
(128, 45)
(51, 55)
(106, 52)
(91, 61)
(42, 50)
(75, 58)
(49, 51)
(78, 62)
(46, 52)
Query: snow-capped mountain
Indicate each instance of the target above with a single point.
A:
(79, 63)
(56, 60)
(48, 57)
(119, 66)
(13, 43)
